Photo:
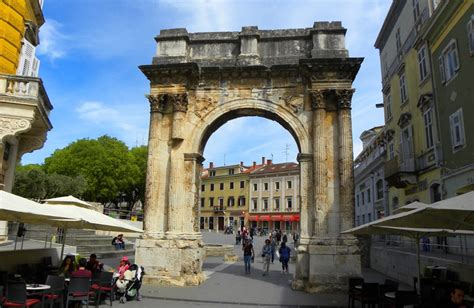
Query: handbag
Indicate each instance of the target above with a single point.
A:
(277, 253)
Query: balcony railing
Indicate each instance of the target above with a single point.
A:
(219, 208)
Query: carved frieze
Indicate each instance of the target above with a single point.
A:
(204, 105)
(344, 98)
(294, 102)
(12, 127)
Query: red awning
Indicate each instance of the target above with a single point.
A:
(253, 218)
(287, 217)
(295, 217)
(276, 218)
(264, 218)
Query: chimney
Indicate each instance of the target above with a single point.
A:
(269, 161)
(263, 160)
(241, 164)
(254, 164)
(211, 165)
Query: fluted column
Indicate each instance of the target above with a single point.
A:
(346, 171)
(155, 218)
(193, 167)
(306, 195)
(177, 177)
(319, 163)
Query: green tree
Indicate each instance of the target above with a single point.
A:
(104, 163)
(137, 174)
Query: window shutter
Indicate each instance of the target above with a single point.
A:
(35, 67)
(456, 57)
(452, 126)
(25, 66)
(461, 127)
(441, 69)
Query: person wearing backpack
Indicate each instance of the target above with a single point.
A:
(248, 254)
(285, 253)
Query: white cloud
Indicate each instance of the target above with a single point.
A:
(52, 40)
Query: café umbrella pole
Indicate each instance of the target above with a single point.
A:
(417, 242)
(64, 242)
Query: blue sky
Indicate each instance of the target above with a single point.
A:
(90, 52)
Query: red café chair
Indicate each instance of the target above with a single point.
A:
(16, 296)
(103, 287)
(56, 293)
(79, 290)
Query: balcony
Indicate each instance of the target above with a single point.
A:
(400, 175)
(219, 209)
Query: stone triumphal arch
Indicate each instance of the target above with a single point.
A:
(301, 78)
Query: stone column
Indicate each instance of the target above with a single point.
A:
(319, 163)
(177, 176)
(193, 168)
(155, 216)
(346, 170)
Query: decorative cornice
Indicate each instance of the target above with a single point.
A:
(404, 120)
(318, 70)
(304, 157)
(29, 143)
(344, 97)
(194, 157)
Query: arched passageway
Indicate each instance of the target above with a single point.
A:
(300, 78)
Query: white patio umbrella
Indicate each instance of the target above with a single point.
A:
(69, 200)
(84, 218)
(377, 228)
(19, 209)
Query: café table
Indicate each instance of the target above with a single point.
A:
(390, 295)
(37, 289)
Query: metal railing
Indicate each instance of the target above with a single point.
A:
(124, 214)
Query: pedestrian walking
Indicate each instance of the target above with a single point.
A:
(285, 253)
(248, 255)
(284, 238)
(238, 238)
(273, 245)
(266, 255)
(296, 237)
(278, 237)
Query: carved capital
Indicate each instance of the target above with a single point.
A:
(157, 102)
(318, 99)
(13, 127)
(344, 97)
(180, 102)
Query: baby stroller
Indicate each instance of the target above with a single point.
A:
(129, 288)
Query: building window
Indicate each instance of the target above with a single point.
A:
(416, 9)
(288, 184)
(391, 151)
(231, 171)
(242, 184)
(265, 186)
(231, 185)
(277, 185)
(212, 173)
(403, 88)
(255, 187)
(358, 220)
(423, 63)
(230, 201)
(388, 108)
(276, 203)
(203, 187)
(470, 34)
(202, 202)
(363, 219)
(265, 205)
(254, 204)
(211, 201)
(379, 186)
(369, 216)
(221, 201)
(368, 195)
(428, 118)
(242, 201)
(212, 187)
(457, 130)
(362, 195)
(357, 199)
(221, 186)
(398, 40)
(449, 62)
(289, 203)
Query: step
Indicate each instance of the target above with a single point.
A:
(116, 254)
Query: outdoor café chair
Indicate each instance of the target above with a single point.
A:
(16, 295)
(369, 294)
(104, 287)
(56, 292)
(403, 298)
(78, 290)
(353, 282)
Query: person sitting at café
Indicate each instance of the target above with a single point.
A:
(118, 242)
(123, 266)
(93, 264)
(67, 266)
(82, 271)
(456, 298)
